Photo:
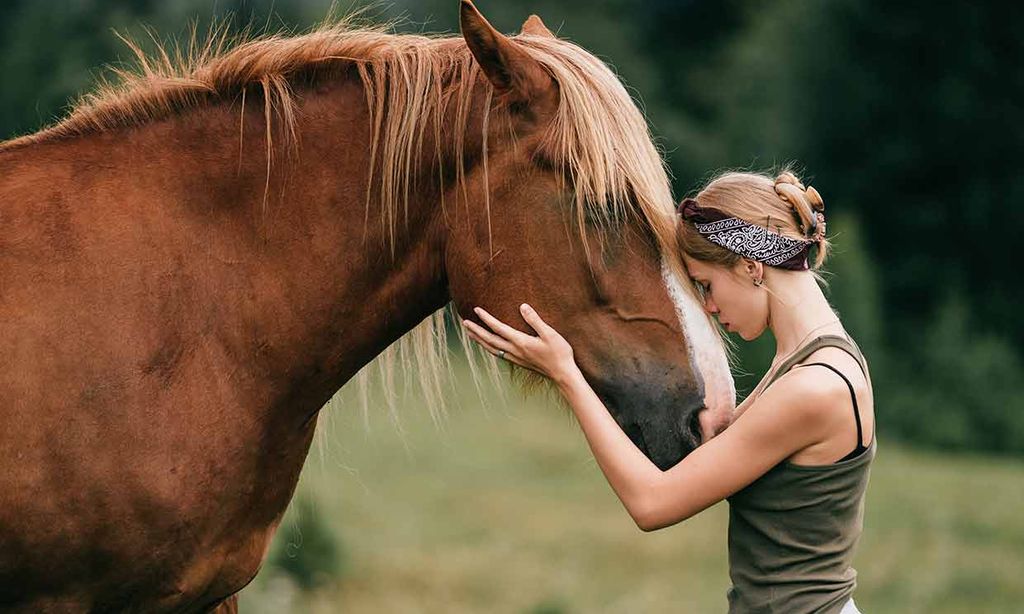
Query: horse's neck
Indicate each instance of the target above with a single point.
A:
(150, 302)
(355, 284)
(293, 276)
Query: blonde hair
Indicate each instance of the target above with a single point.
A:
(782, 205)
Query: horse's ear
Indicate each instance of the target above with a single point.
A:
(508, 67)
(533, 25)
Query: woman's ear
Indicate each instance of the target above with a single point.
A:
(754, 269)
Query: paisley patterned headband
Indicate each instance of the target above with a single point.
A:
(751, 240)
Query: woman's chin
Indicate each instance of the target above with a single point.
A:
(746, 336)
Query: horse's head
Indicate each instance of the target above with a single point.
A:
(570, 210)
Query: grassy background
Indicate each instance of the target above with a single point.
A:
(501, 508)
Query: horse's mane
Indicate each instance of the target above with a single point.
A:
(599, 136)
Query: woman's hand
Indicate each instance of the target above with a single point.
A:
(548, 353)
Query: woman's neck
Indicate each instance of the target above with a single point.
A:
(798, 312)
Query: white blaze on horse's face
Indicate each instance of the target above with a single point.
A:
(707, 352)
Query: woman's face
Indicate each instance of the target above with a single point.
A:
(731, 296)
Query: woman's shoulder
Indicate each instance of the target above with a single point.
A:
(790, 415)
(801, 406)
(804, 389)
(853, 367)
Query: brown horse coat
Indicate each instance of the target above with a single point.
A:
(176, 306)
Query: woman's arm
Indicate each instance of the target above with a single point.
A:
(770, 432)
(781, 422)
(633, 477)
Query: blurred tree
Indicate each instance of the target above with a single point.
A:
(47, 55)
(904, 109)
(960, 391)
(309, 553)
(927, 149)
(853, 283)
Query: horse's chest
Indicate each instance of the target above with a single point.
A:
(165, 528)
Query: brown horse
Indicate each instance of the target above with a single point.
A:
(198, 257)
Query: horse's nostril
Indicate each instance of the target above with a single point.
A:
(694, 431)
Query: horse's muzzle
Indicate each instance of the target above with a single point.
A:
(657, 419)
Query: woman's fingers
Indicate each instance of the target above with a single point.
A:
(500, 327)
(509, 356)
(533, 319)
(486, 337)
(486, 346)
(481, 342)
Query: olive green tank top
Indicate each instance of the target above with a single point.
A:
(793, 531)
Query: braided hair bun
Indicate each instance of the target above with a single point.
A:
(809, 209)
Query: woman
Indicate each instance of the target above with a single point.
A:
(794, 462)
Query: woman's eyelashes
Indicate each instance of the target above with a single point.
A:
(703, 289)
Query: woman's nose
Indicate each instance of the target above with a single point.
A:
(710, 306)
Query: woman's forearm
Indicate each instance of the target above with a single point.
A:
(633, 477)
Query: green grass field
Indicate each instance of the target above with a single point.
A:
(502, 509)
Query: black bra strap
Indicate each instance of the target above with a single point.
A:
(856, 410)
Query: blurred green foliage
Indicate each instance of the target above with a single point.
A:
(308, 551)
(906, 117)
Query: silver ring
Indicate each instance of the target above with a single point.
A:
(501, 353)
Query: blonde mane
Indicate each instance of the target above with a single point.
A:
(411, 83)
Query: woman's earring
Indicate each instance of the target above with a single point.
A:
(759, 281)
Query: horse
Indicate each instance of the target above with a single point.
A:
(206, 248)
